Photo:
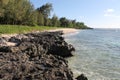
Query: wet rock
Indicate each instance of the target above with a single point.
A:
(14, 39)
(82, 77)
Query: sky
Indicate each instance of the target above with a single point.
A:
(94, 13)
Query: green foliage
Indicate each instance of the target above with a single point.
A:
(81, 25)
(18, 12)
(72, 23)
(40, 18)
(45, 9)
(55, 22)
(63, 22)
(4, 1)
(22, 12)
(46, 22)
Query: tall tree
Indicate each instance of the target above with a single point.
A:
(45, 9)
(18, 12)
(64, 22)
(47, 22)
(40, 18)
(81, 25)
(44, 12)
(2, 6)
(55, 21)
(74, 23)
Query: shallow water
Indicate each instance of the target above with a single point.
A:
(97, 53)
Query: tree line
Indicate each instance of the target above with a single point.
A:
(22, 12)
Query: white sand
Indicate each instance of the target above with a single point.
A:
(65, 30)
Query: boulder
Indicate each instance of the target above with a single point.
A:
(82, 77)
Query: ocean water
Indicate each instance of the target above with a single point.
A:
(97, 53)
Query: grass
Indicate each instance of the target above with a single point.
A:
(11, 29)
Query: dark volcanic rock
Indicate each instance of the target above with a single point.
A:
(19, 66)
(53, 42)
(82, 77)
(37, 56)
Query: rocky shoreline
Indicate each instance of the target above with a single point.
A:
(36, 56)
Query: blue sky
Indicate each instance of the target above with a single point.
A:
(94, 13)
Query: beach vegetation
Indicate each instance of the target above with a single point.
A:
(22, 12)
(11, 29)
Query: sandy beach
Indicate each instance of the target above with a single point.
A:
(65, 30)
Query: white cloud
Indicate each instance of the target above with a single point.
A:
(110, 10)
(111, 13)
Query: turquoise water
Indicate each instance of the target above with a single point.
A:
(97, 53)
